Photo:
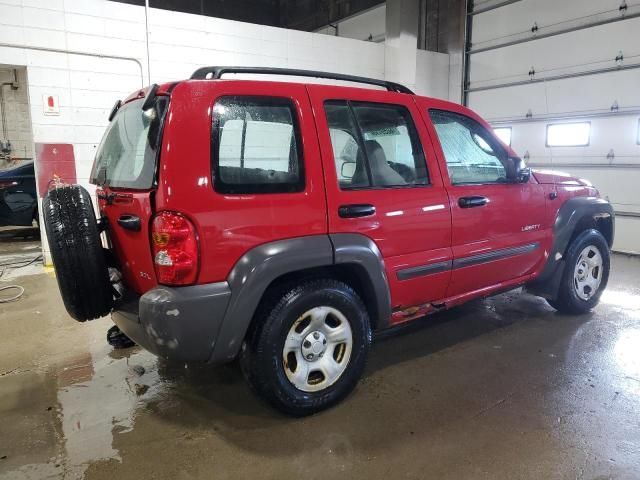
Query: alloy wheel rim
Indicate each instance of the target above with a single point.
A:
(587, 274)
(317, 349)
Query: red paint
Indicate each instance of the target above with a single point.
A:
(412, 227)
(418, 231)
(55, 163)
(50, 101)
(132, 248)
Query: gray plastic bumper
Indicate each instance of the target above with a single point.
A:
(180, 323)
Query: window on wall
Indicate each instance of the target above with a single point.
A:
(256, 146)
(568, 134)
(375, 145)
(504, 134)
(472, 154)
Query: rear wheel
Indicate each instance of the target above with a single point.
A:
(76, 250)
(585, 275)
(308, 347)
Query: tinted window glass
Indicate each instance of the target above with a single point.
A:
(375, 145)
(256, 146)
(471, 152)
(348, 155)
(127, 155)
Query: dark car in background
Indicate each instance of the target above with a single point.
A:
(18, 199)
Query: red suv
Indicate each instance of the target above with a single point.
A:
(283, 223)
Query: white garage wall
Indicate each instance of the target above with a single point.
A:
(612, 158)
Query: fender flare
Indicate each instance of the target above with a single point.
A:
(362, 252)
(570, 216)
(255, 271)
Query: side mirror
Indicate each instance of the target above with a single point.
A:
(523, 175)
(519, 172)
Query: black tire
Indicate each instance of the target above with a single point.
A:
(76, 250)
(568, 300)
(262, 354)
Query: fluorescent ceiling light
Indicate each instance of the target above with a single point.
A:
(568, 134)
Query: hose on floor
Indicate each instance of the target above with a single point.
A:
(14, 265)
(14, 297)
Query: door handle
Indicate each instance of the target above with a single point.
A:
(130, 222)
(356, 210)
(470, 202)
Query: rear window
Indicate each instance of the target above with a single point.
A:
(128, 153)
(256, 146)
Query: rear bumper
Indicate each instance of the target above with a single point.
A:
(180, 323)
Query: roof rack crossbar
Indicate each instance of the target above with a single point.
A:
(214, 73)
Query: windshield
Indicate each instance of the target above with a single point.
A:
(128, 152)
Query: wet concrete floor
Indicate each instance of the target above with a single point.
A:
(501, 388)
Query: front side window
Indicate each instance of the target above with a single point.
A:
(472, 154)
(256, 146)
(375, 145)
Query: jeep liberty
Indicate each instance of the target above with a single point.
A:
(282, 223)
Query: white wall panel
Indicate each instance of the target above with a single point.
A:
(48, 5)
(78, 23)
(432, 76)
(573, 95)
(520, 16)
(626, 236)
(46, 19)
(567, 53)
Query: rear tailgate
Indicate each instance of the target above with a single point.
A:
(125, 173)
(129, 215)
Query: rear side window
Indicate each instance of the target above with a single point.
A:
(375, 145)
(128, 153)
(256, 146)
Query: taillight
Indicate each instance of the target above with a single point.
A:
(174, 242)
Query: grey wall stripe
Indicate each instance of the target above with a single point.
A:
(423, 270)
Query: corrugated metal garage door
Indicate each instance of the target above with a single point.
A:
(535, 63)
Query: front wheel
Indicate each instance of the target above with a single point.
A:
(585, 275)
(308, 346)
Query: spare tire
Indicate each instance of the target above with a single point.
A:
(76, 250)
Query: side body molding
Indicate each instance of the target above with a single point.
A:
(259, 267)
(575, 213)
(361, 251)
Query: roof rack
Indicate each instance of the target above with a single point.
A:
(214, 73)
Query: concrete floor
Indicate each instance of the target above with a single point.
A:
(502, 388)
(19, 245)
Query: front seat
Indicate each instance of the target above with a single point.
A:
(381, 171)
